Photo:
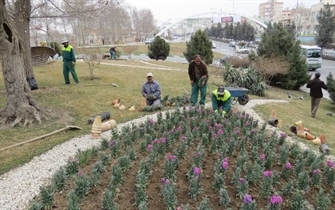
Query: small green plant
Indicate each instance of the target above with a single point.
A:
(322, 201)
(303, 181)
(72, 201)
(242, 188)
(47, 198)
(108, 201)
(72, 166)
(267, 183)
(170, 196)
(286, 169)
(330, 173)
(59, 179)
(82, 184)
(297, 201)
(224, 197)
(204, 205)
(104, 144)
(116, 175)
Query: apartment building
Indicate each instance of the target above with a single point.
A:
(272, 11)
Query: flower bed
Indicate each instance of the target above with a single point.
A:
(193, 158)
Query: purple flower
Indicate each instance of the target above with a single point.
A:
(246, 124)
(242, 181)
(267, 173)
(247, 199)
(80, 173)
(199, 110)
(288, 165)
(220, 132)
(196, 170)
(163, 140)
(197, 154)
(330, 163)
(163, 180)
(219, 155)
(316, 171)
(211, 111)
(225, 159)
(182, 138)
(74, 159)
(210, 127)
(195, 128)
(179, 208)
(149, 147)
(282, 135)
(276, 199)
(179, 129)
(152, 122)
(171, 157)
(252, 130)
(112, 143)
(262, 157)
(216, 125)
(155, 141)
(225, 165)
(172, 131)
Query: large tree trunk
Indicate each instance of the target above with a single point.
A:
(22, 20)
(20, 106)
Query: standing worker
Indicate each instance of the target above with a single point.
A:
(198, 73)
(112, 52)
(221, 99)
(315, 92)
(69, 62)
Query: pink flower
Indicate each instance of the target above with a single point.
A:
(80, 173)
(225, 165)
(213, 135)
(282, 135)
(242, 181)
(179, 129)
(171, 157)
(330, 163)
(198, 154)
(172, 131)
(179, 208)
(246, 124)
(220, 132)
(196, 170)
(182, 138)
(267, 173)
(155, 141)
(262, 157)
(219, 155)
(225, 159)
(276, 199)
(247, 199)
(252, 130)
(74, 159)
(210, 127)
(149, 147)
(288, 165)
(316, 171)
(111, 143)
(163, 140)
(152, 122)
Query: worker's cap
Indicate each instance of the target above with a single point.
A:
(64, 41)
(150, 74)
(220, 90)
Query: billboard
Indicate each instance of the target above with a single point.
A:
(227, 19)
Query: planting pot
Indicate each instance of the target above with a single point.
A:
(116, 105)
(105, 126)
(116, 101)
(122, 107)
(132, 109)
(112, 123)
(323, 138)
(324, 148)
(96, 128)
(309, 136)
(316, 141)
(273, 122)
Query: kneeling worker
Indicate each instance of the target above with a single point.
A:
(151, 90)
(221, 100)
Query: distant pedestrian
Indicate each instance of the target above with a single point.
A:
(69, 62)
(316, 86)
(198, 73)
(112, 52)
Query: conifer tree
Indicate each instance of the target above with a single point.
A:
(326, 27)
(158, 49)
(279, 42)
(199, 45)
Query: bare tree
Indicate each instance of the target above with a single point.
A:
(20, 106)
(301, 17)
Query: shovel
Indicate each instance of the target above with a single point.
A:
(68, 127)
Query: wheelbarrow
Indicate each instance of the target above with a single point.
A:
(238, 94)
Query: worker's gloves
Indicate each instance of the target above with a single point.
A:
(150, 97)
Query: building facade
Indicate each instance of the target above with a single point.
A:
(271, 11)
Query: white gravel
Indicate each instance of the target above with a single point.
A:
(20, 185)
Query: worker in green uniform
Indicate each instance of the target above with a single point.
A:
(69, 62)
(221, 99)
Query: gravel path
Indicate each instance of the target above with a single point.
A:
(19, 186)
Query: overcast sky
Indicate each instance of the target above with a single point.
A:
(164, 10)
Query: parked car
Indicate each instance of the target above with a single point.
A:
(213, 45)
(235, 61)
(242, 49)
(232, 44)
(149, 41)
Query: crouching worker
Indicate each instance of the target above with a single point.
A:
(151, 90)
(221, 99)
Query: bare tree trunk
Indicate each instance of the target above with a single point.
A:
(22, 20)
(20, 106)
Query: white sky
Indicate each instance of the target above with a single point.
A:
(164, 10)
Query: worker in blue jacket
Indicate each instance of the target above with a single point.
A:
(221, 99)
